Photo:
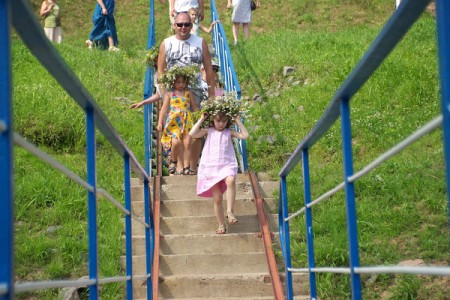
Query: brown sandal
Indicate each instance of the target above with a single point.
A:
(222, 229)
(231, 218)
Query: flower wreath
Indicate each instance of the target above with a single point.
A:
(227, 105)
(151, 55)
(190, 73)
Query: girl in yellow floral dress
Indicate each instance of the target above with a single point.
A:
(175, 122)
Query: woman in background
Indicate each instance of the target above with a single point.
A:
(242, 14)
(52, 20)
(104, 33)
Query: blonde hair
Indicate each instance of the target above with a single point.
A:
(193, 9)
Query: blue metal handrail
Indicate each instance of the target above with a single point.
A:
(230, 79)
(19, 13)
(397, 26)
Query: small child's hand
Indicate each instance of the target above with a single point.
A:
(135, 105)
(204, 115)
(159, 127)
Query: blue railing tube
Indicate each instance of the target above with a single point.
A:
(309, 224)
(128, 228)
(6, 158)
(149, 238)
(285, 237)
(92, 202)
(443, 32)
(352, 229)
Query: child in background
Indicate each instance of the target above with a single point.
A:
(196, 25)
(177, 105)
(218, 165)
(152, 60)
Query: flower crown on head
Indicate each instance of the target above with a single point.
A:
(227, 105)
(151, 54)
(188, 72)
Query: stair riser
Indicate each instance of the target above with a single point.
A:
(198, 244)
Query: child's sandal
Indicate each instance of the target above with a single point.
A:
(172, 167)
(231, 218)
(186, 171)
(192, 172)
(222, 229)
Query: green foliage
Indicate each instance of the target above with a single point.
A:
(402, 208)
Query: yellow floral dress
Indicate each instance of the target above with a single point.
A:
(178, 120)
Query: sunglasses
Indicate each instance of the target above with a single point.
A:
(187, 25)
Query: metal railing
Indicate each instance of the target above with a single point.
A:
(20, 15)
(230, 79)
(397, 26)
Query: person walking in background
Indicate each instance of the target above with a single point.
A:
(184, 49)
(218, 165)
(177, 105)
(197, 25)
(242, 14)
(52, 20)
(178, 6)
(104, 33)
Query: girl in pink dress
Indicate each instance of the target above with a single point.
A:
(218, 165)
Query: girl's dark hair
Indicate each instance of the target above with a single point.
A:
(222, 116)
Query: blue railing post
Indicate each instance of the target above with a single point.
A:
(285, 237)
(352, 229)
(149, 232)
(309, 224)
(148, 120)
(6, 156)
(128, 228)
(443, 32)
(92, 202)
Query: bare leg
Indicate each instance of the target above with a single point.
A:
(235, 32)
(230, 181)
(196, 148)
(111, 44)
(177, 154)
(187, 149)
(245, 27)
(110, 41)
(218, 208)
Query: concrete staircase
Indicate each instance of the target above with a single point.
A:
(197, 263)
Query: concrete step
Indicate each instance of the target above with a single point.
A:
(225, 286)
(220, 286)
(207, 225)
(188, 192)
(204, 206)
(189, 264)
(203, 244)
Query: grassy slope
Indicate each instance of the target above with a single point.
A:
(402, 206)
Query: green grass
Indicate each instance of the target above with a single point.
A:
(402, 208)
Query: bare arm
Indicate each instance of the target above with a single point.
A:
(172, 7)
(209, 29)
(163, 112)
(194, 106)
(104, 10)
(162, 65)
(201, 11)
(208, 70)
(196, 132)
(243, 133)
(45, 8)
(155, 97)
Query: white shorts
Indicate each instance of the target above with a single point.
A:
(54, 34)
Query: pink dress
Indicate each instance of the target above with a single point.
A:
(218, 161)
